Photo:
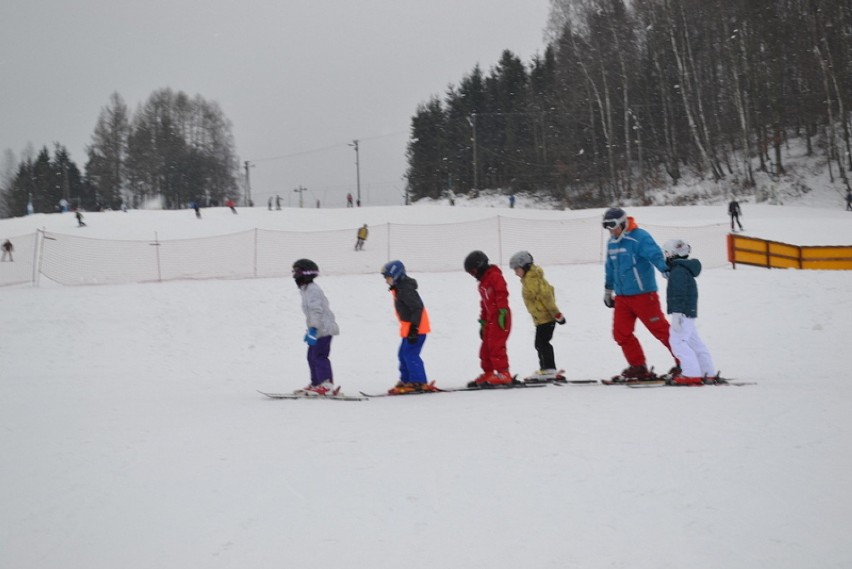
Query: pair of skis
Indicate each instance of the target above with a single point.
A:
(336, 397)
(662, 382)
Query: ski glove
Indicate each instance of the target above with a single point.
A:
(481, 328)
(608, 300)
(311, 337)
(501, 318)
(559, 318)
(412, 334)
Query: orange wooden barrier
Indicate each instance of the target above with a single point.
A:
(776, 255)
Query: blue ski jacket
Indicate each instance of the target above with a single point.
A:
(630, 261)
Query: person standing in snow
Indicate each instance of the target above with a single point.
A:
(361, 236)
(495, 321)
(735, 212)
(682, 304)
(413, 327)
(540, 301)
(79, 216)
(321, 325)
(8, 249)
(848, 200)
(630, 287)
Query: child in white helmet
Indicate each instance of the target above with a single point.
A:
(696, 363)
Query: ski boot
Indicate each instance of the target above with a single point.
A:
(681, 379)
(545, 376)
(403, 388)
(481, 380)
(672, 373)
(490, 379)
(324, 389)
(633, 374)
(501, 378)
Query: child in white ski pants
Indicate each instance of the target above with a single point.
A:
(689, 348)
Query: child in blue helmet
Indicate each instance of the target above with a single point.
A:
(413, 327)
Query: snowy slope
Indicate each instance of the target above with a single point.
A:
(132, 435)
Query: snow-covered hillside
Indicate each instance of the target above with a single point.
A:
(132, 435)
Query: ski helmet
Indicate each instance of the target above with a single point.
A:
(304, 271)
(676, 249)
(521, 260)
(394, 270)
(475, 263)
(614, 217)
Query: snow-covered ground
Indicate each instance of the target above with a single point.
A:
(132, 435)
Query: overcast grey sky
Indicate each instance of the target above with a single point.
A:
(299, 79)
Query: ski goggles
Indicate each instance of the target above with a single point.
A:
(612, 223)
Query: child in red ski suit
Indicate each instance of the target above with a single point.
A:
(495, 319)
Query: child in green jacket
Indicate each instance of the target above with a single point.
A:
(540, 301)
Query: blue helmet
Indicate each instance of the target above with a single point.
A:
(394, 270)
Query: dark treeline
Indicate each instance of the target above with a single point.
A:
(629, 96)
(173, 148)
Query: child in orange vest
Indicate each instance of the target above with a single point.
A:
(413, 327)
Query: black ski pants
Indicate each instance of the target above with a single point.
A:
(543, 335)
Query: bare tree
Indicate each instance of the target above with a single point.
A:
(108, 152)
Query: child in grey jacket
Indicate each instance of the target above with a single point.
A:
(321, 328)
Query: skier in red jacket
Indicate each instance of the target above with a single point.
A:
(495, 320)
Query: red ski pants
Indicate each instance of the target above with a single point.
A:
(645, 307)
(492, 352)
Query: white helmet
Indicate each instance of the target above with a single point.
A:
(674, 248)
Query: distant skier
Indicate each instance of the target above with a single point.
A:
(682, 304)
(8, 249)
(540, 301)
(79, 216)
(735, 212)
(361, 237)
(231, 204)
(495, 320)
(632, 255)
(321, 328)
(848, 200)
